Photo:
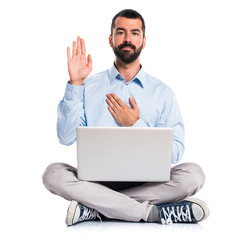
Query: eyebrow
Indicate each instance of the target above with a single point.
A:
(123, 29)
(120, 29)
(135, 30)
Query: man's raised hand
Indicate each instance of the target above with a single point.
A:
(79, 66)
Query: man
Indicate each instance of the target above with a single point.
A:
(124, 95)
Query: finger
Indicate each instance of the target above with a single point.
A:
(117, 100)
(74, 48)
(133, 103)
(68, 53)
(89, 59)
(83, 47)
(113, 101)
(78, 45)
(112, 112)
(111, 105)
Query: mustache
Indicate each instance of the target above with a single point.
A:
(126, 44)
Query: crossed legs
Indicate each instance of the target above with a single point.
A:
(130, 204)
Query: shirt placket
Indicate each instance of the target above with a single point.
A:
(125, 93)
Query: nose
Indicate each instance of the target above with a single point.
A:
(128, 37)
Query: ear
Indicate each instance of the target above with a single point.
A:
(110, 40)
(144, 42)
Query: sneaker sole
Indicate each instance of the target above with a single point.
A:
(202, 204)
(70, 212)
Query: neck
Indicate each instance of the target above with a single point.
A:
(128, 70)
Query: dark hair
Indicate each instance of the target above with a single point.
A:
(128, 13)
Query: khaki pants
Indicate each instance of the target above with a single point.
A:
(123, 201)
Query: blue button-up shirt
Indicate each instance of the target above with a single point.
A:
(86, 106)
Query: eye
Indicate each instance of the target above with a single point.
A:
(120, 33)
(135, 33)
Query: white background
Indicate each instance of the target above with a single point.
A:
(193, 46)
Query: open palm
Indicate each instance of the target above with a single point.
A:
(79, 67)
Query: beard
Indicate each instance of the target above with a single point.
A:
(126, 56)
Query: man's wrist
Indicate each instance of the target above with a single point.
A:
(76, 83)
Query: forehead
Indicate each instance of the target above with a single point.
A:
(128, 23)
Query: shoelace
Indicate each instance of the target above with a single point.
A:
(178, 214)
(89, 214)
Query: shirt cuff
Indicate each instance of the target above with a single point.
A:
(74, 91)
(140, 123)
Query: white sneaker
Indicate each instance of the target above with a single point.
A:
(190, 210)
(78, 213)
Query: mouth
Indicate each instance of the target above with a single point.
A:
(126, 49)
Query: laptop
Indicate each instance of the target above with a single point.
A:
(124, 154)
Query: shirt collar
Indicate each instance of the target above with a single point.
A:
(140, 78)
